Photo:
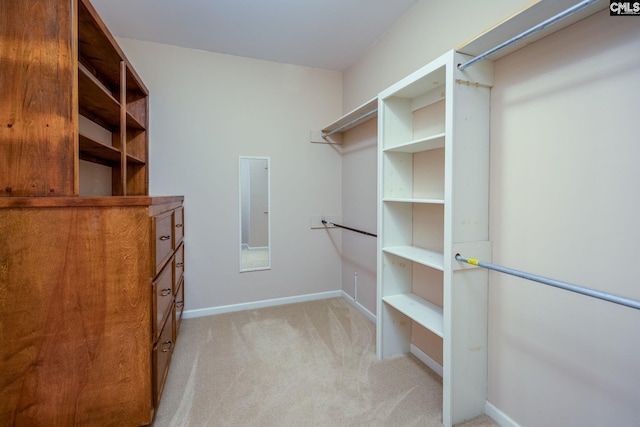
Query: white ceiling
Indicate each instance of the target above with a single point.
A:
(329, 34)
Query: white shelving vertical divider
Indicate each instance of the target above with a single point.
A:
(433, 192)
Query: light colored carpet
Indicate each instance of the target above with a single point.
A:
(306, 364)
(255, 258)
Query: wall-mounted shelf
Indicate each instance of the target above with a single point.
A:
(528, 17)
(332, 133)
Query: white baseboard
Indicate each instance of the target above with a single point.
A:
(361, 308)
(189, 314)
(254, 248)
(426, 359)
(499, 416)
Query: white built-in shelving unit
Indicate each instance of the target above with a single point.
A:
(433, 184)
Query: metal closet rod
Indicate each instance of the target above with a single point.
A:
(530, 31)
(349, 123)
(551, 282)
(349, 228)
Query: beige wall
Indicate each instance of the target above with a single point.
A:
(564, 204)
(359, 198)
(206, 110)
(427, 30)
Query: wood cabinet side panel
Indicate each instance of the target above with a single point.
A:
(75, 316)
(38, 114)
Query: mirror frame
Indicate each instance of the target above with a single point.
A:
(241, 171)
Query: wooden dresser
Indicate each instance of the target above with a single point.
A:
(91, 266)
(91, 297)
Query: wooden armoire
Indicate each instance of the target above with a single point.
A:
(91, 266)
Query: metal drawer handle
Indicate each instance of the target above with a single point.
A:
(178, 225)
(179, 264)
(167, 346)
(165, 237)
(165, 292)
(179, 304)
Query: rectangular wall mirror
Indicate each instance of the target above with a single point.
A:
(255, 251)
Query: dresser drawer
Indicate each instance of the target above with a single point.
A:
(178, 267)
(179, 307)
(162, 235)
(162, 297)
(178, 226)
(162, 352)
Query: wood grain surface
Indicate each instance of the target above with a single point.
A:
(38, 116)
(75, 309)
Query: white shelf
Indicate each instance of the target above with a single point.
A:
(421, 256)
(418, 145)
(421, 82)
(363, 113)
(419, 310)
(522, 20)
(410, 200)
